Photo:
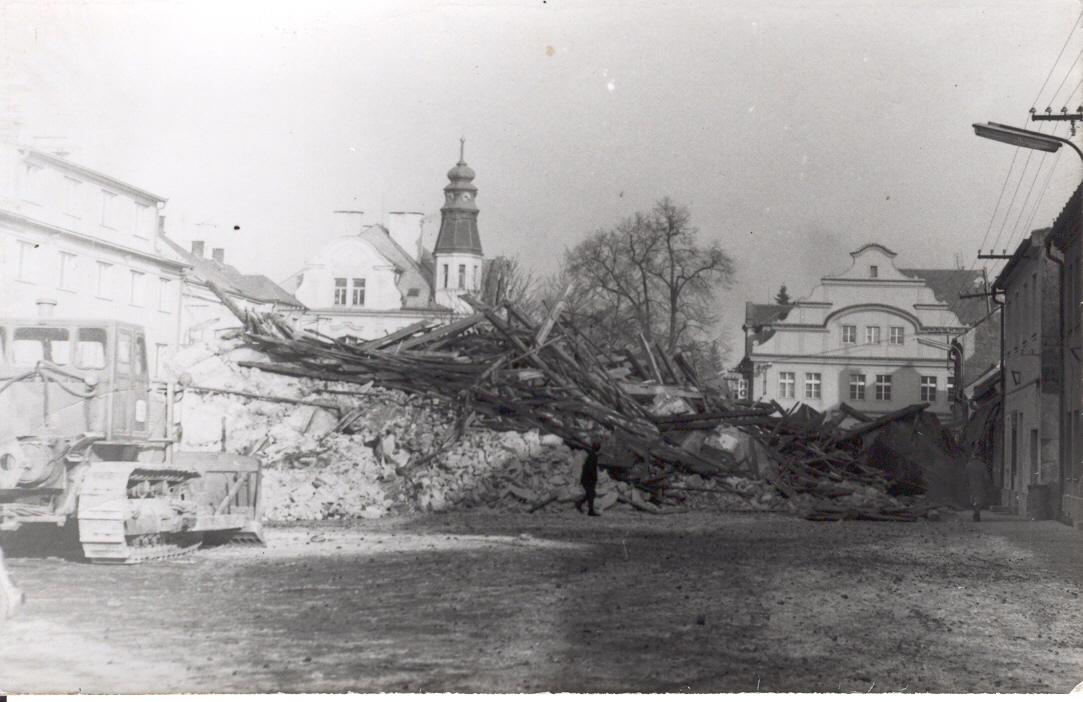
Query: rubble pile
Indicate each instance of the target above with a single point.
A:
(336, 450)
(501, 370)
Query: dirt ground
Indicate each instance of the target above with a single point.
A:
(696, 602)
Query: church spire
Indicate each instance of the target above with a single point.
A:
(459, 215)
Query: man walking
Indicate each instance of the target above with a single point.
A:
(977, 479)
(589, 480)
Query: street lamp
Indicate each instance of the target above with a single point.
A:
(1023, 137)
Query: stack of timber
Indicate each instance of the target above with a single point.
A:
(658, 425)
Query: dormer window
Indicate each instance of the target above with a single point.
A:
(874, 272)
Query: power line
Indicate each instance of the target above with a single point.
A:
(1054, 66)
(1015, 194)
(1065, 78)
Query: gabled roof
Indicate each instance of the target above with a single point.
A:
(757, 315)
(1021, 253)
(257, 288)
(414, 276)
(947, 284)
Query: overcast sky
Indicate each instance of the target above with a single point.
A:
(793, 131)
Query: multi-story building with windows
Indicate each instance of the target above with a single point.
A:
(374, 280)
(1031, 352)
(875, 337)
(82, 244)
(1068, 253)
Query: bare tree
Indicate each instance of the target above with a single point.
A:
(507, 280)
(648, 275)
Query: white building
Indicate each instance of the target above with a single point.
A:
(874, 337)
(82, 244)
(203, 314)
(373, 280)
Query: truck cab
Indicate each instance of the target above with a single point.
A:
(62, 378)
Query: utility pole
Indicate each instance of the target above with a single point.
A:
(1064, 116)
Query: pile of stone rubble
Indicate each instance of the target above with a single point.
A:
(333, 450)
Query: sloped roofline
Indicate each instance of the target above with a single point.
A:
(874, 245)
(71, 167)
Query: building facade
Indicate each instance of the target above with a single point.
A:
(81, 244)
(374, 279)
(1031, 355)
(874, 337)
(204, 315)
(1068, 243)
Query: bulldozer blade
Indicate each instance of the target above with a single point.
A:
(251, 534)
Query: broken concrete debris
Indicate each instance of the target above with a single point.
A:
(489, 412)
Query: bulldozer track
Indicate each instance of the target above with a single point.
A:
(146, 548)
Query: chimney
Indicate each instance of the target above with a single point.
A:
(219, 255)
(45, 307)
(405, 230)
(348, 222)
(197, 248)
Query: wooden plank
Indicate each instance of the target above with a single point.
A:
(441, 332)
(264, 398)
(650, 358)
(640, 390)
(860, 430)
(551, 318)
(667, 363)
(405, 332)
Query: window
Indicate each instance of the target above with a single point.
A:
(109, 206)
(786, 384)
(358, 292)
(812, 386)
(340, 291)
(163, 294)
(65, 276)
(446, 282)
(849, 334)
(34, 181)
(928, 388)
(124, 350)
(883, 387)
(90, 349)
(32, 344)
(857, 386)
(139, 358)
(103, 281)
(895, 336)
(951, 386)
(143, 226)
(28, 261)
(72, 193)
(462, 276)
(874, 272)
(137, 293)
(872, 335)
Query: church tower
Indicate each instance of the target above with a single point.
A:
(458, 252)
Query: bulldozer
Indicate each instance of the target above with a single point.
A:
(85, 435)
